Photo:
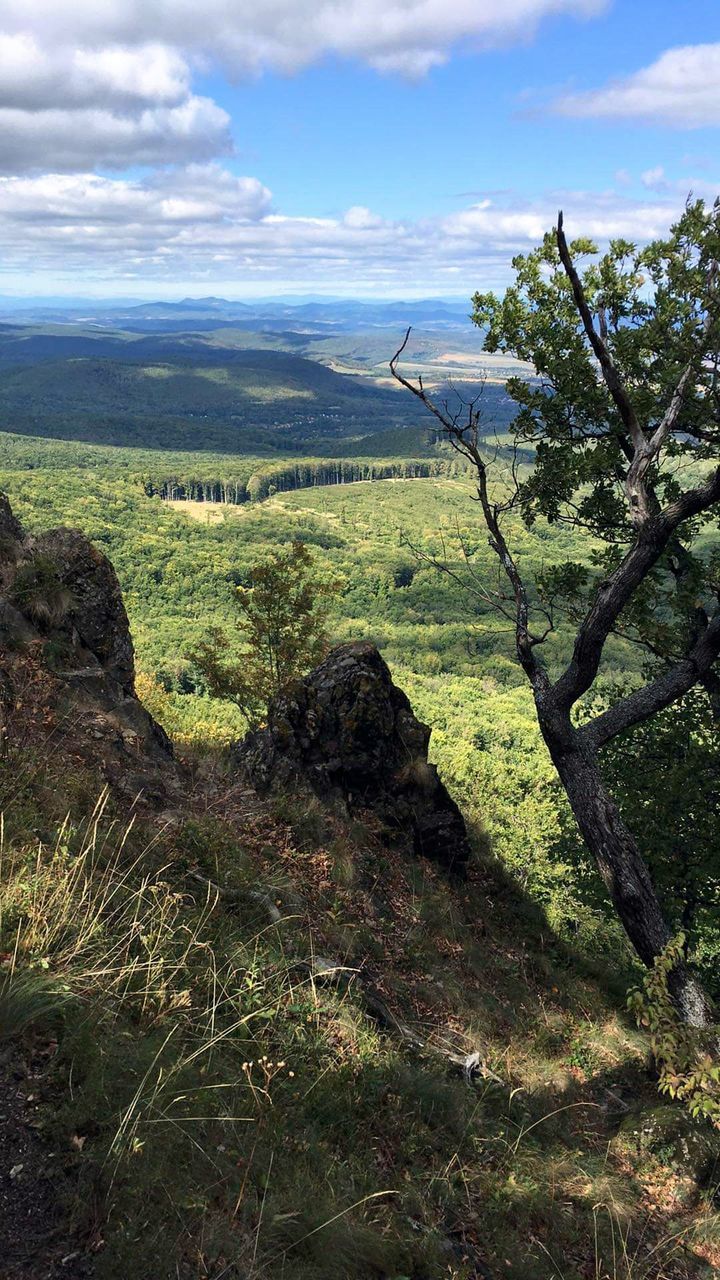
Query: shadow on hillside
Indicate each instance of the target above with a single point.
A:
(379, 1160)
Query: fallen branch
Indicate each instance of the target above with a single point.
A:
(321, 970)
(471, 1065)
(234, 897)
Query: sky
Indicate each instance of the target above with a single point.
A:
(369, 148)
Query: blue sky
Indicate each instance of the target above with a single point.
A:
(339, 134)
(395, 147)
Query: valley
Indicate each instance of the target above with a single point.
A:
(359, 640)
(188, 458)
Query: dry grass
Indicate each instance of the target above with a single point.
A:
(238, 1116)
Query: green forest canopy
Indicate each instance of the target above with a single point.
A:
(451, 653)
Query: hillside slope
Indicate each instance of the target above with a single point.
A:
(179, 391)
(199, 391)
(253, 1037)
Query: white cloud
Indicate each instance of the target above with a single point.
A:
(196, 129)
(600, 216)
(405, 35)
(33, 77)
(654, 179)
(73, 108)
(203, 226)
(200, 194)
(108, 83)
(684, 188)
(77, 107)
(680, 89)
(361, 217)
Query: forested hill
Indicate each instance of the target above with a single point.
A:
(221, 400)
(195, 391)
(200, 996)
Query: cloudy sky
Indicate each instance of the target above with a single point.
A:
(155, 148)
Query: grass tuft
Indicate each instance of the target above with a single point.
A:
(232, 1110)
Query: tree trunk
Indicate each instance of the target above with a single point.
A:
(622, 868)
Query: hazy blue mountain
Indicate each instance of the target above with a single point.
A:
(336, 314)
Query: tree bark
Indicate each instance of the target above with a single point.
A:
(620, 863)
(574, 751)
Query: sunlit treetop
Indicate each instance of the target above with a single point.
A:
(656, 312)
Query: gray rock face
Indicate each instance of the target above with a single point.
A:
(10, 540)
(350, 735)
(96, 613)
(10, 528)
(61, 602)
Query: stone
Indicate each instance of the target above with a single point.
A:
(97, 613)
(350, 735)
(91, 684)
(670, 1132)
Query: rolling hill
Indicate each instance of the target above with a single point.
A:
(205, 390)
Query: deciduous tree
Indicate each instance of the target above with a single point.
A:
(624, 416)
(282, 626)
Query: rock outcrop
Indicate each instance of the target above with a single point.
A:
(347, 733)
(67, 678)
(95, 616)
(10, 528)
(67, 662)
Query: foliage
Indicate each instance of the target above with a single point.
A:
(664, 774)
(649, 306)
(688, 1071)
(193, 721)
(282, 625)
(282, 477)
(308, 474)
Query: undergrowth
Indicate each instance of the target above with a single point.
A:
(226, 1111)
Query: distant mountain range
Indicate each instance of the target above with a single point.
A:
(319, 316)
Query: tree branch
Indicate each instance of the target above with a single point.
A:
(650, 449)
(615, 592)
(660, 693)
(464, 439)
(610, 372)
(644, 451)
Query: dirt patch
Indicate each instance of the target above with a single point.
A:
(35, 1241)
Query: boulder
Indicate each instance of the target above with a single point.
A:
(347, 733)
(61, 607)
(95, 615)
(670, 1132)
